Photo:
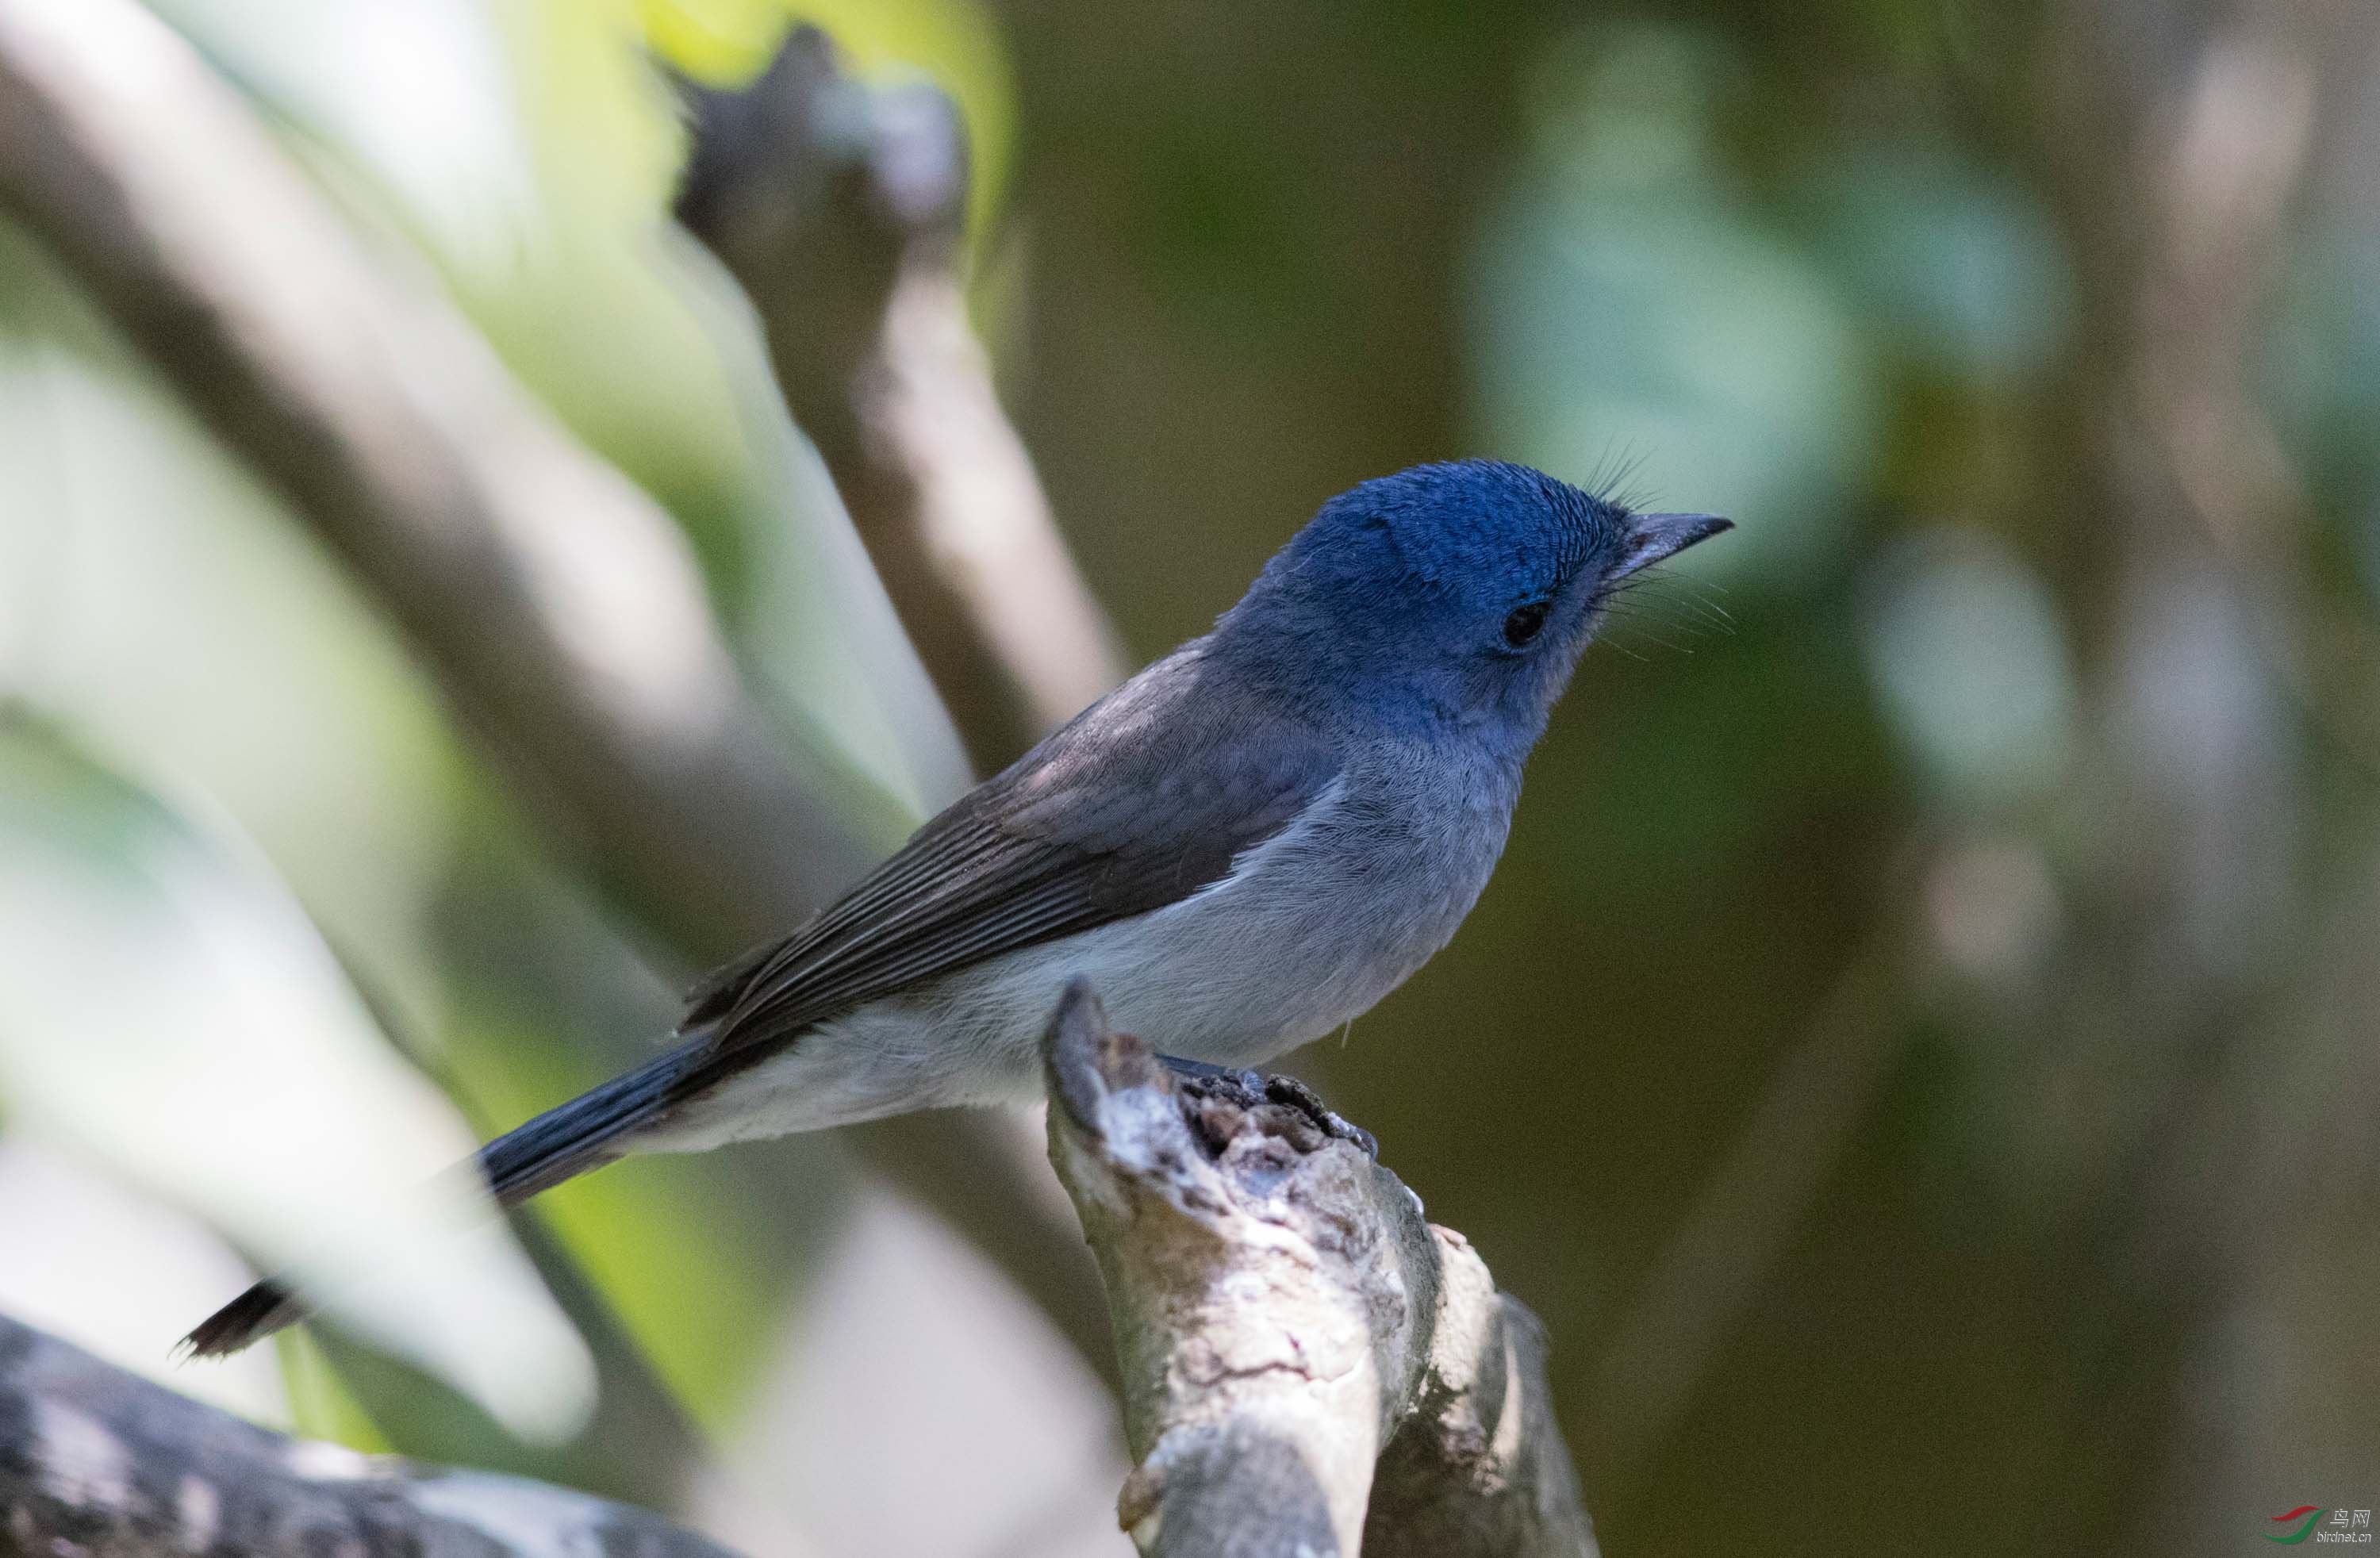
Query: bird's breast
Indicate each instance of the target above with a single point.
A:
(1312, 927)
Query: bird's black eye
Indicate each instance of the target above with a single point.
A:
(1523, 625)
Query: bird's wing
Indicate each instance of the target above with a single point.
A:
(1145, 798)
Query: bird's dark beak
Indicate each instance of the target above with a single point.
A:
(1653, 537)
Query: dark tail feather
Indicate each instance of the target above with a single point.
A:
(560, 1144)
(584, 1133)
(255, 1314)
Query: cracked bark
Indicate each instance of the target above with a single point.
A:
(1310, 1367)
(98, 1462)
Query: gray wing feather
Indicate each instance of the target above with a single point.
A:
(1143, 799)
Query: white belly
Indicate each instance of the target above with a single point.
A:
(1305, 934)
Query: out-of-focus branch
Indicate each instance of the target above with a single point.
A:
(560, 610)
(95, 1460)
(2222, 183)
(1309, 1366)
(2183, 169)
(2230, 144)
(837, 207)
(557, 606)
(1727, 1245)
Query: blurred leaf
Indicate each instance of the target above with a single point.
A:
(320, 1404)
(1636, 318)
(662, 1241)
(1972, 663)
(692, 1260)
(416, 93)
(2322, 374)
(719, 43)
(1963, 273)
(166, 1009)
(155, 594)
(120, 1273)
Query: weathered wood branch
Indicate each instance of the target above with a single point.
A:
(837, 207)
(1310, 1367)
(99, 1462)
(556, 605)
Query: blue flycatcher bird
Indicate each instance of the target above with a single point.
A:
(1241, 848)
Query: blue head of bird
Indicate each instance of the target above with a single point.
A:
(1456, 596)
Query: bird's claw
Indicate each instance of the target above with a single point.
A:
(1287, 1093)
(1290, 1092)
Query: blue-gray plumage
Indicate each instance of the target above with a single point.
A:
(1242, 848)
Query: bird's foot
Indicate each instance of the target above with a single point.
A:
(1250, 1088)
(1294, 1094)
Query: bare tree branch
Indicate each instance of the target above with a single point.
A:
(837, 207)
(1309, 1366)
(97, 1462)
(557, 606)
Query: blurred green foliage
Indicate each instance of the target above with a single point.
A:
(1909, 809)
(1940, 925)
